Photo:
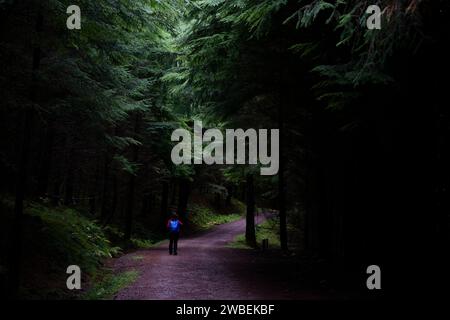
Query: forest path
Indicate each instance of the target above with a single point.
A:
(205, 268)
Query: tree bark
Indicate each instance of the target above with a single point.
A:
(250, 235)
(16, 239)
(183, 197)
(281, 181)
(164, 203)
(130, 208)
(46, 162)
(103, 212)
(68, 197)
(113, 209)
(131, 188)
(173, 193)
(230, 190)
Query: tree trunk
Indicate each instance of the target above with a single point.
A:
(56, 192)
(46, 162)
(164, 203)
(113, 201)
(173, 193)
(230, 190)
(183, 197)
(105, 191)
(16, 238)
(281, 181)
(129, 208)
(250, 235)
(68, 197)
(218, 201)
(131, 187)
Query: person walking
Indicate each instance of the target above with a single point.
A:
(174, 225)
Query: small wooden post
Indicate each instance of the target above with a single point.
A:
(265, 244)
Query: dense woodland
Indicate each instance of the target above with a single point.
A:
(86, 119)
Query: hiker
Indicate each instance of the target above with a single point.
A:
(174, 225)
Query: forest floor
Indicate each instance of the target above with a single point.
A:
(206, 267)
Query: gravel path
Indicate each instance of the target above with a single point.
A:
(206, 269)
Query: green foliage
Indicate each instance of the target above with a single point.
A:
(257, 15)
(269, 229)
(367, 50)
(204, 217)
(183, 171)
(71, 237)
(309, 12)
(111, 94)
(239, 206)
(107, 284)
(140, 243)
(126, 165)
(56, 237)
(95, 82)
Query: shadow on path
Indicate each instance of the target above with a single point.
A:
(206, 269)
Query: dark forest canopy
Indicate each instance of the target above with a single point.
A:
(86, 117)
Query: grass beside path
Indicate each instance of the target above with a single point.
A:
(269, 229)
(204, 217)
(108, 284)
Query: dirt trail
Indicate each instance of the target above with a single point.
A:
(206, 269)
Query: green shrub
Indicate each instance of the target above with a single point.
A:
(269, 229)
(70, 238)
(108, 284)
(52, 239)
(203, 217)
